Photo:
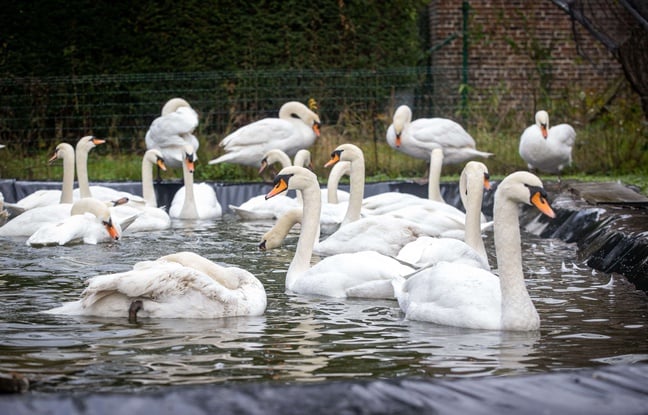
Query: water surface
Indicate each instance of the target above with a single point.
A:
(588, 319)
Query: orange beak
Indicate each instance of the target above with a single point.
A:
(112, 231)
(264, 165)
(190, 163)
(53, 158)
(316, 128)
(281, 185)
(487, 184)
(398, 140)
(543, 130)
(539, 201)
(160, 164)
(335, 157)
(97, 141)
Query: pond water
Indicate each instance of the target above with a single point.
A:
(588, 319)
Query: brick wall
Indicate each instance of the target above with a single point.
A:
(515, 49)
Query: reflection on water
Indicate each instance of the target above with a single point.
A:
(588, 319)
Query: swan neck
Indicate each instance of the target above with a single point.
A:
(82, 172)
(473, 204)
(338, 170)
(68, 178)
(356, 190)
(308, 234)
(518, 311)
(189, 210)
(148, 192)
(434, 178)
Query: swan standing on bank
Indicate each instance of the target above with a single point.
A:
(89, 222)
(194, 201)
(297, 127)
(180, 285)
(172, 131)
(547, 149)
(366, 274)
(419, 137)
(460, 295)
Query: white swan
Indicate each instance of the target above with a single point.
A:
(429, 250)
(89, 222)
(180, 285)
(459, 295)
(170, 132)
(331, 215)
(103, 193)
(365, 274)
(386, 234)
(32, 219)
(297, 127)
(547, 149)
(419, 137)
(46, 197)
(194, 201)
(148, 217)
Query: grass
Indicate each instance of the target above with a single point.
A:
(382, 164)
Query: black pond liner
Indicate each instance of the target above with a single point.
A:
(617, 389)
(610, 238)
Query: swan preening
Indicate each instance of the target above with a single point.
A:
(456, 294)
(180, 285)
(297, 127)
(172, 131)
(545, 148)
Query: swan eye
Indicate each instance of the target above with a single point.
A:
(293, 115)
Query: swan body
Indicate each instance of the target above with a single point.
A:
(384, 233)
(419, 137)
(365, 274)
(456, 294)
(180, 285)
(171, 131)
(89, 222)
(148, 217)
(296, 128)
(547, 149)
(194, 201)
(257, 207)
(426, 251)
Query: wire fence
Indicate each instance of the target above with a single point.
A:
(40, 112)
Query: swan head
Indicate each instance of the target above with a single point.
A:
(345, 152)
(100, 210)
(473, 171)
(154, 157)
(61, 150)
(303, 158)
(542, 121)
(295, 109)
(89, 142)
(189, 158)
(402, 116)
(173, 104)
(525, 187)
(292, 178)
